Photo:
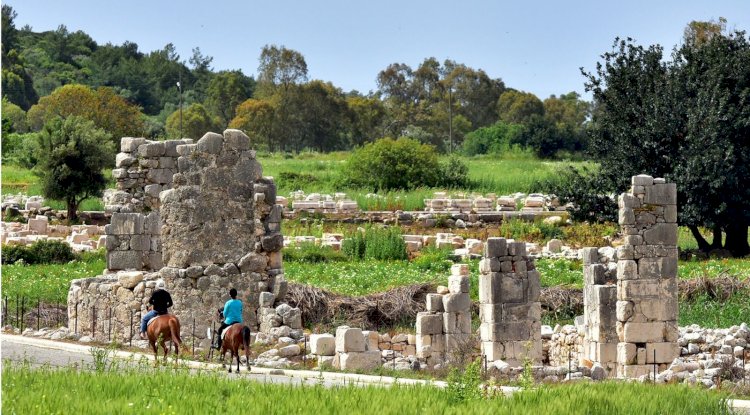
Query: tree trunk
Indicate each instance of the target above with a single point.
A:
(702, 243)
(72, 211)
(736, 241)
(717, 242)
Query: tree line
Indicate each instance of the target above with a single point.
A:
(48, 74)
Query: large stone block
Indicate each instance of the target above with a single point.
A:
(661, 194)
(488, 265)
(124, 260)
(664, 352)
(253, 262)
(360, 361)
(428, 323)
(129, 279)
(236, 140)
(349, 340)
(626, 353)
(627, 269)
(513, 330)
(125, 224)
(211, 143)
(594, 274)
(372, 338)
(642, 180)
(458, 284)
(130, 144)
(661, 234)
(590, 255)
(153, 149)
(662, 309)
(495, 247)
(513, 289)
(323, 344)
(657, 268)
(456, 302)
(434, 302)
(644, 332)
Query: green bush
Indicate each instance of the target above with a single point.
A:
(311, 253)
(432, 259)
(453, 173)
(585, 189)
(493, 139)
(389, 164)
(294, 180)
(40, 252)
(376, 243)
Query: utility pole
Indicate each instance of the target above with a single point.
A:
(179, 87)
(450, 119)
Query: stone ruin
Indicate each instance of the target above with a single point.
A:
(199, 216)
(509, 309)
(631, 314)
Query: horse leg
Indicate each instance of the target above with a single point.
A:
(156, 352)
(166, 350)
(237, 353)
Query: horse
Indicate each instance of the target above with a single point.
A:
(236, 336)
(162, 329)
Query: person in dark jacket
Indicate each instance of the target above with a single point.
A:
(160, 301)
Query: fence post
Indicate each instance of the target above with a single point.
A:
(654, 365)
(109, 335)
(18, 304)
(131, 328)
(5, 309)
(38, 312)
(93, 322)
(77, 318)
(193, 336)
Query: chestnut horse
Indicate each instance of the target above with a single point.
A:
(162, 329)
(236, 337)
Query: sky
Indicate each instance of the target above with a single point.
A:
(535, 46)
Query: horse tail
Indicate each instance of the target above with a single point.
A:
(174, 328)
(246, 337)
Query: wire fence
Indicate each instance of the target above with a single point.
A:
(22, 312)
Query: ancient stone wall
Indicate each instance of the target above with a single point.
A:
(599, 298)
(510, 311)
(445, 327)
(218, 227)
(646, 309)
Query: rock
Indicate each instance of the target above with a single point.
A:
(693, 348)
(598, 372)
(360, 360)
(554, 245)
(350, 340)
(323, 344)
(291, 350)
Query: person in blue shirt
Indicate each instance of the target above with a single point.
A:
(232, 314)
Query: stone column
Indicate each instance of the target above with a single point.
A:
(510, 310)
(599, 300)
(647, 277)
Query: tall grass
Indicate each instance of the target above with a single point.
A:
(27, 391)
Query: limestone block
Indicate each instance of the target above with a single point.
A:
(512, 289)
(487, 265)
(624, 252)
(253, 262)
(39, 226)
(661, 194)
(152, 149)
(289, 351)
(624, 310)
(210, 143)
(495, 247)
(522, 312)
(323, 344)
(662, 309)
(429, 323)
(513, 330)
(604, 294)
(657, 267)
(491, 313)
(670, 214)
(517, 249)
(642, 180)
(117, 260)
(626, 353)
(372, 338)
(360, 361)
(554, 245)
(626, 216)
(661, 234)
(129, 279)
(125, 224)
(644, 332)
(293, 319)
(456, 302)
(350, 340)
(458, 284)
(459, 269)
(434, 302)
(272, 243)
(267, 299)
(533, 279)
(236, 140)
(627, 270)
(634, 371)
(666, 352)
(603, 352)
(646, 289)
(626, 200)
(594, 274)
(589, 255)
(140, 242)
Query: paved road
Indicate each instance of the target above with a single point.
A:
(39, 352)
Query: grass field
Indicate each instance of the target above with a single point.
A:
(143, 391)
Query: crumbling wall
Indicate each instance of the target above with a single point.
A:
(510, 311)
(218, 227)
(599, 299)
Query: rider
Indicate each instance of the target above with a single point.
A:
(232, 314)
(160, 301)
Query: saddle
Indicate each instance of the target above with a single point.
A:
(154, 319)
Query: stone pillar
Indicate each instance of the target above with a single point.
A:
(446, 325)
(599, 300)
(510, 310)
(646, 309)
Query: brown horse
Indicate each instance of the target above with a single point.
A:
(237, 337)
(162, 329)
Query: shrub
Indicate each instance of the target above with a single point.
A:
(294, 180)
(585, 190)
(311, 253)
(389, 164)
(454, 173)
(434, 259)
(376, 243)
(493, 139)
(40, 252)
